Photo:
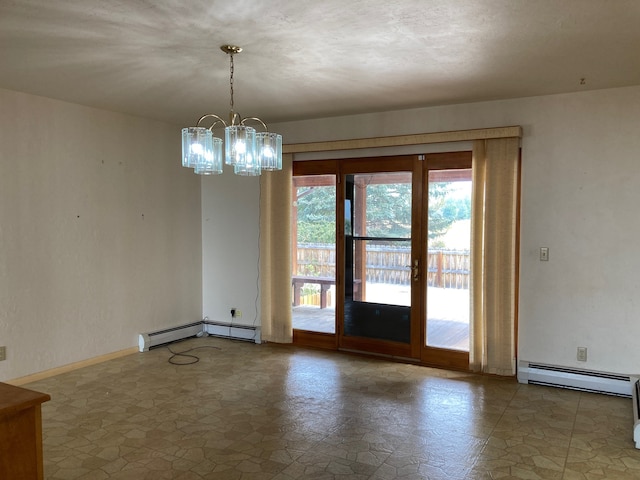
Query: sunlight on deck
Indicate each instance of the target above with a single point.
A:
(448, 308)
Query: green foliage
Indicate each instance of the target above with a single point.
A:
(389, 210)
(457, 208)
(317, 215)
(438, 221)
(445, 209)
(322, 232)
(309, 289)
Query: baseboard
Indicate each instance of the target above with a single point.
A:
(71, 367)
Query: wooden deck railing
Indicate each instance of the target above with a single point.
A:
(446, 268)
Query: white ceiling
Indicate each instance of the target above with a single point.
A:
(305, 59)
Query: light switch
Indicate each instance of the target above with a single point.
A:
(544, 254)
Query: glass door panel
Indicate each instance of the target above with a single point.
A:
(313, 278)
(378, 270)
(448, 259)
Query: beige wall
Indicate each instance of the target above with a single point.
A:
(100, 233)
(580, 197)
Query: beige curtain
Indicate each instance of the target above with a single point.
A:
(493, 235)
(275, 254)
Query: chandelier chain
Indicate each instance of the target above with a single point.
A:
(231, 79)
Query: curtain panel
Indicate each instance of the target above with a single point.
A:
(493, 256)
(275, 254)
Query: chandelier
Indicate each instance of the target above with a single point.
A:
(250, 152)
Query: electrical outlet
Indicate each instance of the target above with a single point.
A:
(544, 254)
(3, 353)
(582, 354)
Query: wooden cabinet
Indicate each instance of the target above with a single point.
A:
(21, 433)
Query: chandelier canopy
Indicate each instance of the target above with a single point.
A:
(250, 152)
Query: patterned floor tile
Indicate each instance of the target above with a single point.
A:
(248, 411)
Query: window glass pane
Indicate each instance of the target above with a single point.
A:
(386, 277)
(314, 253)
(378, 256)
(449, 246)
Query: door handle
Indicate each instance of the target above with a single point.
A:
(415, 270)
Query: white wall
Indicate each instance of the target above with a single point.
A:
(100, 232)
(230, 220)
(580, 197)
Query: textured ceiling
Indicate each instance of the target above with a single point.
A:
(306, 59)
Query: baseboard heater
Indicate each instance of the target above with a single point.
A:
(168, 335)
(235, 331)
(165, 336)
(635, 390)
(574, 379)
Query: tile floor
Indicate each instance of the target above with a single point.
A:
(248, 411)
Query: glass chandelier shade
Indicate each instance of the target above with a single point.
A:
(201, 151)
(248, 151)
(269, 150)
(240, 145)
(247, 170)
(212, 164)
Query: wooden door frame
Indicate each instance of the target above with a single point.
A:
(419, 166)
(327, 341)
(432, 356)
(379, 165)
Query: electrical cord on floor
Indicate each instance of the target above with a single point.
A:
(185, 353)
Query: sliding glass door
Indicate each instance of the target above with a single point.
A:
(382, 256)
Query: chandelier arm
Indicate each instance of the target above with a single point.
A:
(211, 115)
(256, 119)
(216, 123)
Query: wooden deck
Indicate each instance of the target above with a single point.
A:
(312, 318)
(443, 333)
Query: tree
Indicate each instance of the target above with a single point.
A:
(388, 211)
(439, 221)
(316, 214)
(457, 208)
